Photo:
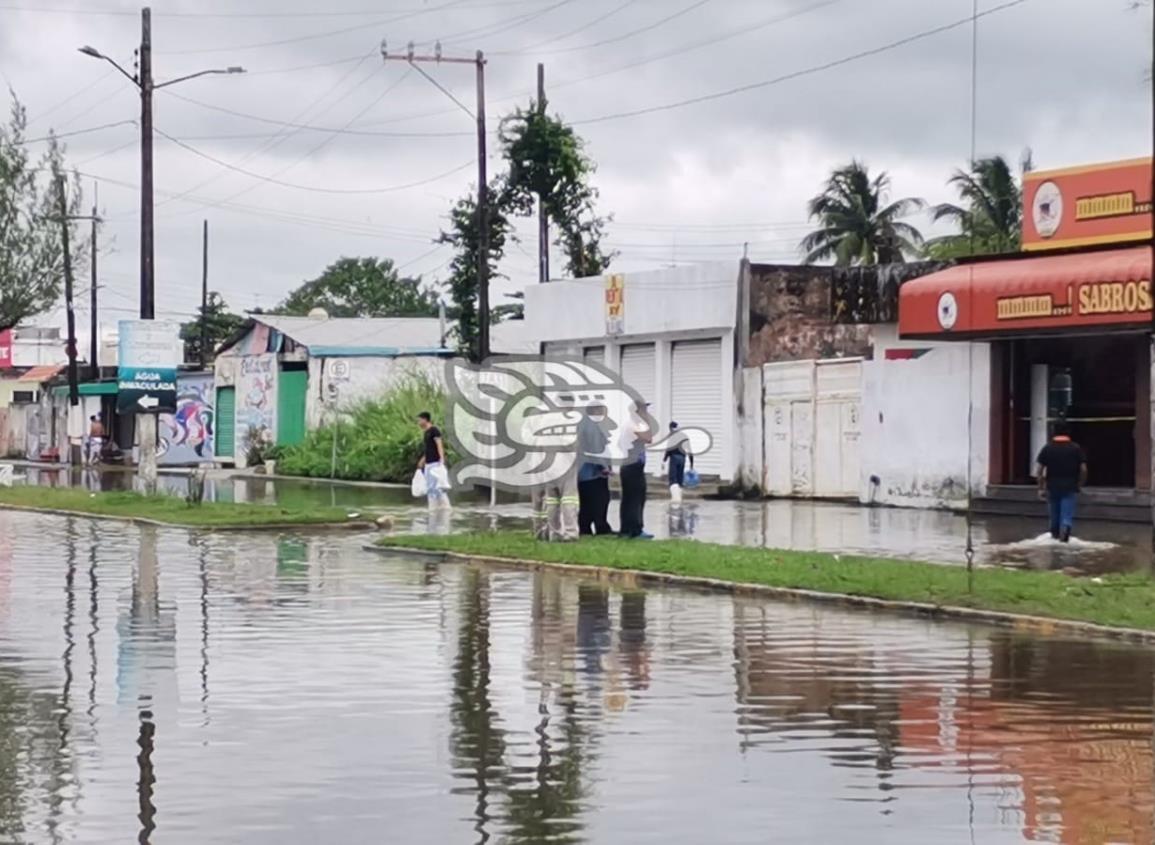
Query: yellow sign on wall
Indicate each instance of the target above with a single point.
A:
(615, 303)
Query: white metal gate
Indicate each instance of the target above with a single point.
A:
(813, 427)
(696, 397)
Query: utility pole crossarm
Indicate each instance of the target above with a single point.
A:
(478, 61)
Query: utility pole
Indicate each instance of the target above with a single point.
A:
(205, 295)
(73, 379)
(147, 280)
(478, 61)
(542, 216)
(143, 80)
(482, 219)
(93, 318)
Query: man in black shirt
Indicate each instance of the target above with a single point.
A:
(433, 461)
(1062, 472)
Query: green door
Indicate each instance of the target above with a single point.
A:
(226, 422)
(291, 406)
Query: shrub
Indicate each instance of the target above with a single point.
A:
(377, 440)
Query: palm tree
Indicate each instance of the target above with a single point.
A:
(858, 225)
(990, 220)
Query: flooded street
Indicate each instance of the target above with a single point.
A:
(935, 536)
(165, 686)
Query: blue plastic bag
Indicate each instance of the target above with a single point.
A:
(691, 479)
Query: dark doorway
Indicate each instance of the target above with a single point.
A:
(1091, 383)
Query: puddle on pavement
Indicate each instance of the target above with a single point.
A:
(370, 698)
(782, 524)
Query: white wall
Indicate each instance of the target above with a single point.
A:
(363, 378)
(914, 426)
(676, 299)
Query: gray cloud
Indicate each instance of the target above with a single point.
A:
(1064, 77)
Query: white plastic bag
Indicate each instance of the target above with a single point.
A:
(441, 476)
(418, 486)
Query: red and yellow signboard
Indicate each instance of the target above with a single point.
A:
(1082, 206)
(615, 303)
(1067, 293)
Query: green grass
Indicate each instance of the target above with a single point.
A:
(167, 509)
(1126, 601)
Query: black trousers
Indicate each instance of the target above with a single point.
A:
(594, 507)
(633, 499)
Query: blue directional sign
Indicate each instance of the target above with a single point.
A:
(150, 352)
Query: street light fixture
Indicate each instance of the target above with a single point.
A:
(145, 83)
(146, 423)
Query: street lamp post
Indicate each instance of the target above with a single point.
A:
(146, 423)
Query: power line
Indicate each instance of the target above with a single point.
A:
(766, 83)
(311, 188)
(310, 127)
(282, 135)
(333, 224)
(501, 26)
(325, 141)
(617, 38)
(621, 7)
(359, 13)
(71, 97)
(316, 35)
(678, 51)
(87, 131)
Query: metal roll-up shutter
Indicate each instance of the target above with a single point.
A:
(696, 399)
(594, 355)
(639, 369)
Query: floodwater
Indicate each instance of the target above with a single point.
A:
(936, 536)
(166, 686)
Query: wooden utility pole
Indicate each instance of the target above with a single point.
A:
(93, 317)
(73, 379)
(147, 281)
(542, 216)
(205, 295)
(478, 61)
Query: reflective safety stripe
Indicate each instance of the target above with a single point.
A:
(570, 500)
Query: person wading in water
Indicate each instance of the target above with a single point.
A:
(1062, 473)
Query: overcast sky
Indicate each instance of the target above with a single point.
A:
(687, 183)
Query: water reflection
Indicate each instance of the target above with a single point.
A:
(364, 698)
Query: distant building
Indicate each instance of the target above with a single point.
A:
(280, 377)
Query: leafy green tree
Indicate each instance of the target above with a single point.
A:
(31, 254)
(857, 223)
(547, 163)
(361, 287)
(990, 219)
(221, 324)
(461, 283)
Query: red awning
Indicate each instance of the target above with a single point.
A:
(1068, 293)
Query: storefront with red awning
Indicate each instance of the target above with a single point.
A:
(1068, 322)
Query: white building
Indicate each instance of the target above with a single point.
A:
(671, 334)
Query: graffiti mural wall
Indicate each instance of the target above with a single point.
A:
(256, 400)
(186, 437)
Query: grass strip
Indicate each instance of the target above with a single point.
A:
(170, 510)
(1125, 601)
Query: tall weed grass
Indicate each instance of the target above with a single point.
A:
(377, 440)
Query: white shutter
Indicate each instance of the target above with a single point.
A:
(594, 355)
(639, 369)
(697, 397)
